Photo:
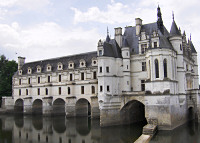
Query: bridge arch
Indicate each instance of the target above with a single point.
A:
(83, 107)
(133, 111)
(59, 107)
(19, 106)
(59, 124)
(37, 106)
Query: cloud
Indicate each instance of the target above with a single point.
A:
(46, 40)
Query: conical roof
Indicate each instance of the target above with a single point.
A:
(174, 30)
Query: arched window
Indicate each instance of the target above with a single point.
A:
(157, 68)
(149, 69)
(93, 90)
(165, 67)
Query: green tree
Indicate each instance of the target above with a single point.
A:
(7, 70)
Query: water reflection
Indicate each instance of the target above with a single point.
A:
(187, 133)
(34, 129)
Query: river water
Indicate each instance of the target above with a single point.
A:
(38, 129)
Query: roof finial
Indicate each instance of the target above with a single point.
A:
(173, 15)
(108, 37)
(107, 31)
(190, 37)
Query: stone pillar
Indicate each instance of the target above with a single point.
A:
(70, 106)
(28, 105)
(47, 106)
(109, 117)
(8, 104)
(95, 112)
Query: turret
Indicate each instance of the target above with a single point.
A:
(159, 20)
(126, 65)
(21, 62)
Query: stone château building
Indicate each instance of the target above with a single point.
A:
(145, 72)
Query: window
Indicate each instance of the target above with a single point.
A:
(49, 79)
(59, 90)
(126, 53)
(20, 92)
(156, 68)
(93, 90)
(101, 88)
(180, 47)
(144, 66)
(94, 75)
(127, 82)
(82, 89)
(165, 67)
(82, 76)
(26, 91)
(38, 79)
(59, 78)
(100, 52)
(143, 48)
(38, 91)
(155, 44)
(100, 69)
(47, 139)
(142, 85)
(46, 91)
(94, 62)
(20, 134)
(127, 67)
(69, 92)
(29, 80)
(187, 67)
(70, 76)
(107, 69)
(108, 88)
(20, 81)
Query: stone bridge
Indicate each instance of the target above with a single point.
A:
(167, 111)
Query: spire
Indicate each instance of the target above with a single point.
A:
(159, 20)
(174, 29)
(107, 38)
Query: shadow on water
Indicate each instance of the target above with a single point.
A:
(187, 133)
(27, 129)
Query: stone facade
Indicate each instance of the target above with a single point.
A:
(147, 73)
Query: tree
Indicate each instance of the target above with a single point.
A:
(7, 70)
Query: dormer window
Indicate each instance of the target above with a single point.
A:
(155, 44)
(38, 69)
(60, 66)
(100, 52)
(94, 62)
(29, 70)
(20, 72)
(82, 63)
(71, 65)
(48, 67)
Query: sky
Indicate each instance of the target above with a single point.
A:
(42, 29)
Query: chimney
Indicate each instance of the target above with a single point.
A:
(21, 62)
(138, 23)
(118, 36)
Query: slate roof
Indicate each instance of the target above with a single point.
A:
(192, 47)
(132, 39)
(64, 60)
(174, 30)
(112, 49)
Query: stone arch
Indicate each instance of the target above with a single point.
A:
(83, 107)
(133, 111)
(19, 106)
(37, 106)
(59, 107)
(19, 121)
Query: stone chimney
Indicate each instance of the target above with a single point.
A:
(138, 23)
(21, 62)
(118, 36)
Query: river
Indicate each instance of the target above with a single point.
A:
(39, 129)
